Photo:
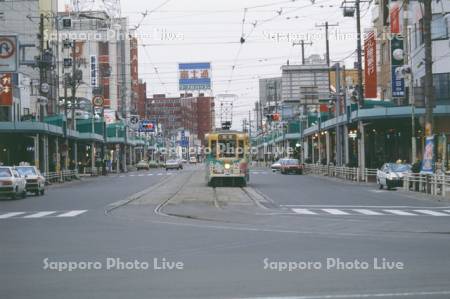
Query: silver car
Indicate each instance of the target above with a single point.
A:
(12, 184)
(173, 164)
(391, 175)
(35, 180)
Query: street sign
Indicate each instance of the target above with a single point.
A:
(146, 126)
(8, 54)
(194, 76)
(98, 101)
(6, 98)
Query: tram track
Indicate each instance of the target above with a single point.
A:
(159, 208)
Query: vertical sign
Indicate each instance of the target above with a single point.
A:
(194, 76)
(93, 71)
(370, 66)
(6, 98)
(134, 73)
(8, 54)
(398, 83)
(428, 156)
(394, 15)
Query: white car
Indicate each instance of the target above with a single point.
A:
(174, 164)
(35, 180)
(192, 160)
(276, 166)
(12, 183)
(391, 175)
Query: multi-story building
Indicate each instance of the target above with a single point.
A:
(142, 99)
(193, 114)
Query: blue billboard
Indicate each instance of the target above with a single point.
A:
(194, 76)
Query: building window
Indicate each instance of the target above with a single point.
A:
(439, 29)
(441, 84)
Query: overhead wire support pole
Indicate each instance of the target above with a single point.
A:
(302, 44)
(429, 97)
(327, 46)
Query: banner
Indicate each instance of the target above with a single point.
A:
(194, 76)
(6, 96)
(370, 66)
(428, 156)
(397, 54)
(394, 15)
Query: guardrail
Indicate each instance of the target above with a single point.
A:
(61, 176)
(433, 184)
(343, 172)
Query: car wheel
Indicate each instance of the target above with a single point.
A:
(42, 191)
(37, 193)
(24, 193)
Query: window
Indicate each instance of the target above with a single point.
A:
(439, 28)
(441, 84)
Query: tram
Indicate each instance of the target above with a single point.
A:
(227, 158)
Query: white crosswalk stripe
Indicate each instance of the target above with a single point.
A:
(367, 212)
(432, 213)
(72, 213)
(335, 212)
(304, 211)
(12, 214)
(40, 214)
(347, 211)
(400, 212)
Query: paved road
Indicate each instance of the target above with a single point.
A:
(230, 250)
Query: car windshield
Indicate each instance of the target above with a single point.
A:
(291, 162)
(5, 173)
(26, 171)
(171, 161)
(399, 167)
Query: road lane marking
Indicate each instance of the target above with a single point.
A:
(72, 213)
(367, 212)
(12, 214)
(400, 212)
(432, 213)
(335, 212)
(304, 211)
(149, 174)
(425, 294)
(40, 214)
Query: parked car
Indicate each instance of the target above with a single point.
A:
(173, 164)
(391, 174)
(276, 166)
(142, 165)
(153, 164)
(291, 166)
(192, 160)
(35, 181)
(12, 183)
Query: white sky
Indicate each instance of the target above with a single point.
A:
(209, 31)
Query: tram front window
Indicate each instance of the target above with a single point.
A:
(227, 147)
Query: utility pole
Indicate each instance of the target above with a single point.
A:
(73, 84)
(359, 53)
(327, 45)
(429, 96)
(338, 113)
(302, 44)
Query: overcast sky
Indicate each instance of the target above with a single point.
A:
(209, 31)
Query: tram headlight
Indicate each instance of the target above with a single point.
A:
(227, 166)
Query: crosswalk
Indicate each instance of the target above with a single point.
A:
(370, 212)
(42, 214)
(259, 172)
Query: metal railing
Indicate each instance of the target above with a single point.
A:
(61, 176)
(342, 172)
(433, 184)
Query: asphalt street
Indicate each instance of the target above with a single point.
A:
(301, 237)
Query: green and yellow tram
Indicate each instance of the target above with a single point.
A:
(227, 158)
